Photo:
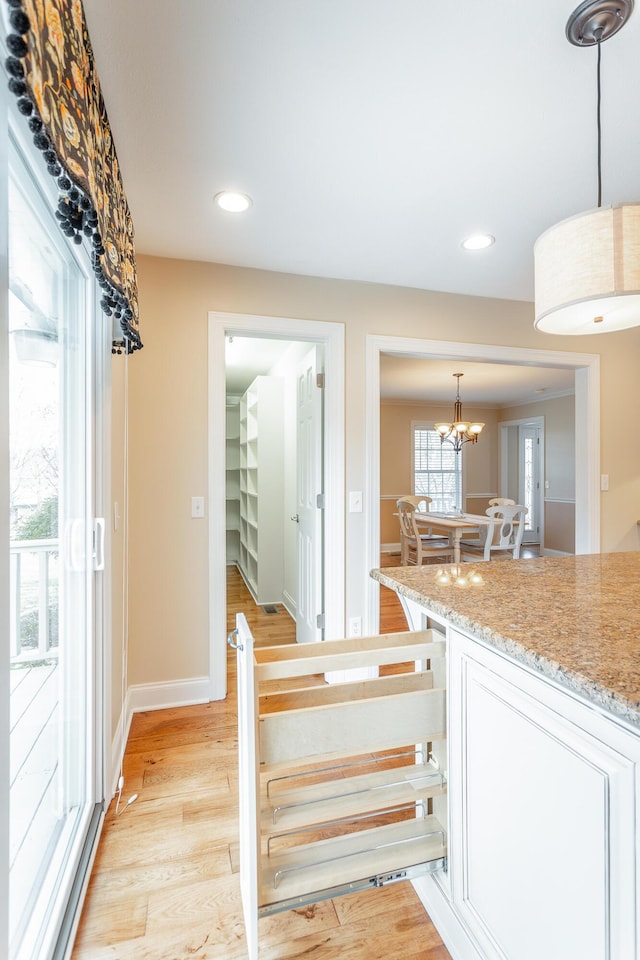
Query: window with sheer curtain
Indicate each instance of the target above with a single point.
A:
(437, 469)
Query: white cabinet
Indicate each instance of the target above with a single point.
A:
(543, 815)
(544, 802)
(261, 478)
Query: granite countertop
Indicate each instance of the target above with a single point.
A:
(573, 619)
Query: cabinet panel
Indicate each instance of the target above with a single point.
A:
(543, 816)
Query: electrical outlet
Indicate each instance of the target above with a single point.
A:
(355, 626)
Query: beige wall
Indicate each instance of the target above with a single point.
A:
(168, 426)
(559, 467)
(559, 439)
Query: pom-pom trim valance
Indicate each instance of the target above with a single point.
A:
(53, 75)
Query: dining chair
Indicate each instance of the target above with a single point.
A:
(421, 505)
(417, 547)
(502, 502)
(502, 535)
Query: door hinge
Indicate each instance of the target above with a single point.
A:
(320, 501)
(320, 380)
(320, 621)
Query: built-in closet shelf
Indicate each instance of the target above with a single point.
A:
(343, 785)
(261, 486)
(232, 480)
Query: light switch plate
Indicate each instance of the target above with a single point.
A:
(197, 507)
(355, 501)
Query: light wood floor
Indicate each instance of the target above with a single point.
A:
(165, 882)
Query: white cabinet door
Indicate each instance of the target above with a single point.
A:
(543, 815)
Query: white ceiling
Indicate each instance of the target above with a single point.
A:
(247, 358)
(373, 135)
(486, 384)
(411, 379)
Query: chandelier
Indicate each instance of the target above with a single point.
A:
(459, 431)
(587, 268)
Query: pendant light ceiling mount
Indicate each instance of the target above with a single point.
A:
(587, 268)
(596, 20)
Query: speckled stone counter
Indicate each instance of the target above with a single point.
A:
(575, 620)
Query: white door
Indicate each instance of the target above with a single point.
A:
(55, 790)
(309, 493)
(530, 486)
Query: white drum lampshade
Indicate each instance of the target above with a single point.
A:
(587, 272)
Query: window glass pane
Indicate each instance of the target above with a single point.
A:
(51, 785)
(437, 470)
(528, 481)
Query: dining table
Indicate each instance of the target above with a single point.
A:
(452, 525)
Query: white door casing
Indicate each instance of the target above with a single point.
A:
(587, 439)
(331, 337)
(529, 480)
(309, 490)
(510, 456)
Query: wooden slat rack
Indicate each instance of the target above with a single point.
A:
(342, 786)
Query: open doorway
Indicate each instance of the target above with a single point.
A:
(513, 402)
(584, 454)
(274, 408)
(522, 473)
(328, 338)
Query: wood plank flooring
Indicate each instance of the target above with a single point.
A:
(165, 882)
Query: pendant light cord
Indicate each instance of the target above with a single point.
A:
(599, 98)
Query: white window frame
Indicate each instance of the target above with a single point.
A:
(59, 935)
(440, 503)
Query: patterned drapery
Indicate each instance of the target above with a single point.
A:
(52, 73)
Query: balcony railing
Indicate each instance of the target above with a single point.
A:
(33, 630)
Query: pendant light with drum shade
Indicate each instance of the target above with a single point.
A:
(587, 268)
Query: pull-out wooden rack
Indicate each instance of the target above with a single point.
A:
(342, 786)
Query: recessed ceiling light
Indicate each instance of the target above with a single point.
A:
(232, 201)
(478, 241)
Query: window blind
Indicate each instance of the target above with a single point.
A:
(437, 470)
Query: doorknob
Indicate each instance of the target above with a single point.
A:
(296, 518)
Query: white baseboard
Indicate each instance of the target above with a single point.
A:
(546, 552)
(118, 745)
(153, 696)
(389, 548)
(289, 604)
(174, 693)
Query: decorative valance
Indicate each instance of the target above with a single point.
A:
(53, 75)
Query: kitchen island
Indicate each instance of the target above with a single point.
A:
(543, 754)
